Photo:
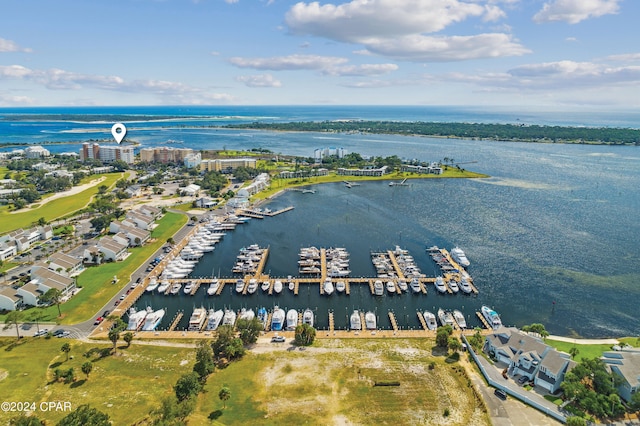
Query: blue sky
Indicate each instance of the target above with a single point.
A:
(564, 54)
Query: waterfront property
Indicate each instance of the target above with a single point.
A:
(626, 364)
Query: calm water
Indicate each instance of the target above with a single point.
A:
(554, 223)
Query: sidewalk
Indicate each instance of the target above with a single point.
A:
(585, 341)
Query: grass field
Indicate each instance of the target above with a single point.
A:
(585, 351)
(329, 383)
(54, 209)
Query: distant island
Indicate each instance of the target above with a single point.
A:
(482, 131)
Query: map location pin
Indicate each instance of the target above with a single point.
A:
(118, 131)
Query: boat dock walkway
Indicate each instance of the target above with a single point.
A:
(176, 320)
(394, 323)
(396, 267)
(196, 286)
(267, 325)
(332, 323)
(423, 323)
(483, 320)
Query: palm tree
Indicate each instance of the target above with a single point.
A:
(86, 368)
(573, 352)
(53, 295)
(66, 348)
(37, 315)
(224, 395)
(13, 318)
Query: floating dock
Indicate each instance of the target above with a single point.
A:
(394, 323)
(176, 320)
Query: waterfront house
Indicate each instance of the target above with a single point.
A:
(363, 172)
(10, 300)
(529, 356)
(626, 364)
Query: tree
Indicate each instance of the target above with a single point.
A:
(86, 368)
(204, 361)
(66, 348)
(454, 344)
(187, 386)
(249, 330)
(173, 412)
(576, 421)
(224, 395)
(128, 338)
(476, 340)
(305, 335)
(170, 240)
(225, 335)
(23, 420)
(53, 295)
(634, 404)
(42, 221)
(536, 328)
(87, 416)
(13, 318)
(442, 336)
(573, 352)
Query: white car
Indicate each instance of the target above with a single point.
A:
(42, 332)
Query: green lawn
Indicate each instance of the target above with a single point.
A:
(54, 209)
(585, 351)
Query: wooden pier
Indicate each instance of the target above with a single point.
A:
(394, 324)
(220, 287)
(483, 320)
(176, 320)
(277, 212)
(323, 264)
(195, 288)
(347, 287)
(331, 322)
(267, 325)
(362, 324)
(250, 213)
(423, 323)
(396, 267)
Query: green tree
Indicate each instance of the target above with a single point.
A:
(23, 420)
(128, 338)
(13, 318)
(85, 415)
(66, 348)
(634, 404)
(204, 360)
(442, 336)
(249, 330)
(576, 421)
(86, 368)
(173, 412)
(573, 352)
(187, 386)
(477, 340)
(305, 335)
(53, 295)
(224, 338)
(536, 328)
(224, 395)
(454, 344)
(42, 221)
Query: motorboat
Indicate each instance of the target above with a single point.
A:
(402, 284)
(327, 287)
(307, 317)
(175, 288)
(215, 317)
(277, 319)
(213, 287)
(453, 285)
(164, 286)
(459, 317)
(229, 317)
(189, 287)
(430, 319)
(458, 255)
(378, 288)
(266, 285)
(391, 287)
(136, 318)
(292, 285)
(197, 319)
(354, 321)
(253, 286)
(153, 284)
(239, 286)
(277, 286)
(340, 286)
(370, 321)
(492, 317)
(440, 285)
(465, 286)
(152, 320)
(292, 319)
(262, 316)
(445, 317)
(246, 314)
(415, 285)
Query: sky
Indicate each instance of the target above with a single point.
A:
(561, 54)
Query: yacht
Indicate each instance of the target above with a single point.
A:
(459, 317)
(277, 319)
(175, 288)
(355, 321)
(465, 286)
(340, 286)
(440, 286)
(265, 286)
(458, 255)
(328, 287)
(253, 286)
(370, 321)
(277, 286)
(164, 286)
(136, 318)
(378, 288)
(152, 320)
(391, 287)
(189, 287)
(492, 317)
(307, 317)
(239, 286)
(229, 317)
(247, 314)
(197, 319)
(292, 319)
(453, 285)
(215, 317)
(213, 287)
(415, 285)
(445, 317)
(153, 284)
(402, 284)
(430, 319)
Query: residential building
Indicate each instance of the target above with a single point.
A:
(258, 184)
(133, 191)
(150, 211)
(206, 203)
(139, 220)
(164, 154)
(321, 153)
(10, 300)
(107, 153)
(8, 250)
(363, 172)
(66, 265)
(227, 164)
(111, 249)
(192, 160)
(289, 174)
(36, 152)
(42, 280)
(433, 168)
(626, 364)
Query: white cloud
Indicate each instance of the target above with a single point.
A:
(13, 100)
(11, 46)
(627, 57)
(574, 11)
(361, 70)
(261, 80)
(291, 62)
(403, 28)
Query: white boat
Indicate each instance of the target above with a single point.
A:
(340, 286)
(465, 286)
(197, 319)
(188, 287)
(459, 317)
(458, 255)
(391, 287)
(136, 318)
(277, 286)
(492, 317)
(175, 288)
(253, 286)
(152, 320)
(370, 321)
(402, 284)
(430, 319)
(265, 286)
(453, 286)
(277, 319)
(213, 287)
(164, 286)
(215, 317)
(229, 317)
(378, 288)
(415, 285)
(445, 317)
(292, 319)
(292, 285)
(246, 314)
(327, 287)
(239, 286)
(354, 321)
(307, 317)
(440, 286)
(153, 284)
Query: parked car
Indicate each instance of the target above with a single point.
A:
(523, 379)
(500, 394)
(42, 332)
(58, 333)
(65, 333)
(122, 296)
(277, 339)
(117, 302)
(98, 321)
(106, 313)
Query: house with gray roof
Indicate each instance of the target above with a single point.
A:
(626, 364)
(10, 300)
